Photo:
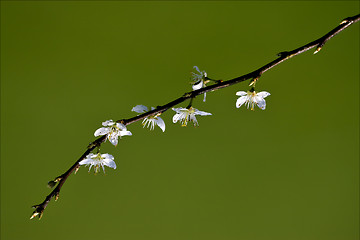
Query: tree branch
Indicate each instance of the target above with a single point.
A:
(283, 56)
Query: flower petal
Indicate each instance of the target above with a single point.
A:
(101, 131)
(261, 103)
(121, 126)
(198, 85)
(176, 117)
(201, 113)
(124, 133)
(139, 109)
(86, 161)
(178, 110)
(108, 123)
(160, 123)
(263, 94)
(110, 163)
(241, 93)
(193, 119)
(113, 138)
(107, 156)
(240, 101)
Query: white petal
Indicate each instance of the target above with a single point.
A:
(107, 156)
(201, 113)
(176, 117)
(139, 109)
(121, 126)
(197, 85)
(110, 163)
(178, 110)
(241, 101)
(193, 119)
(263, 94)
(108, 123)
(113, 138)
(261, 103)
(86, 161)
(241, 93)
(160, 123)
(125, 133)
(101, 131)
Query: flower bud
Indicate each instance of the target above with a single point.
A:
(51, 184)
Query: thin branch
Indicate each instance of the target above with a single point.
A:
(283, 56)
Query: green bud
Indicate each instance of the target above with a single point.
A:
(51, 184)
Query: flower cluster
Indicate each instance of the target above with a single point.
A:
(115, 130)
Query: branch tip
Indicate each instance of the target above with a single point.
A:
(38, 212)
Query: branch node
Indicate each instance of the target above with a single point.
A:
(284, 54)
(187, 95)
(57, 196)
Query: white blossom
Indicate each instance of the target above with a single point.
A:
(250, 98)
(199, 80)
(185, 115)
(98, 160)
(112, 130)
(150, 121)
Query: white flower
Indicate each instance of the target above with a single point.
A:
(113, 130)
(199, 80)
(185, 115)
(252, 98)
(149, 121)
(98, 160)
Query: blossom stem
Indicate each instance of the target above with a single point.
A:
(283, 56)
(190, 103)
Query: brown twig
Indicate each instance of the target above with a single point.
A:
(283, 56)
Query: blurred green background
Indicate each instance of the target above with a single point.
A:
(289, 172)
